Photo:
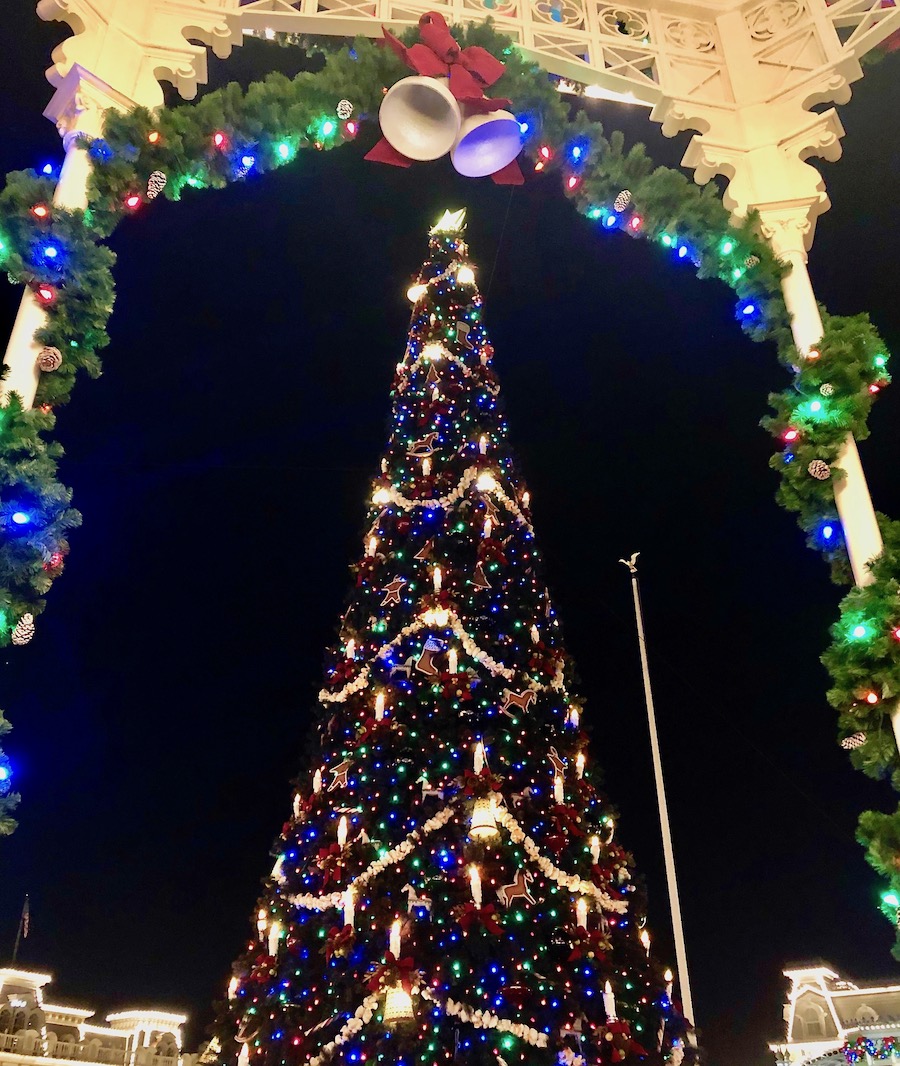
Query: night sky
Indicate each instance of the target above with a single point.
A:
(222, 463)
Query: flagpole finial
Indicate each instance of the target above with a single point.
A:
(631, 563)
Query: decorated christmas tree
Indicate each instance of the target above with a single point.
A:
(449, 886)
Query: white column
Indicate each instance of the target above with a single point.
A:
(787, 229)
(77, 109)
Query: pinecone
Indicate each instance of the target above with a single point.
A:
(344, 110)
(155, 184)
(24, 630)
(819, 469)
(751, 261)
(856, 740)
(49, 359)
(827, 389)
(622, 200)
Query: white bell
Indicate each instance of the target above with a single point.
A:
(484, 824)
(486, 144)
(420, 117)
(398, 1005)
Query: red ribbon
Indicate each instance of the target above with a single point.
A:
(455, 685)
(470, 70)
(393, 969)
(338, 940)
(480, 784)
(472, 915)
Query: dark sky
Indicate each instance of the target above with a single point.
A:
(221, 465)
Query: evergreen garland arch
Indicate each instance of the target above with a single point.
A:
(231, 134)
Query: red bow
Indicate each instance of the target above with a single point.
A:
(472, 915)
(588, 942)
(470, 71)
(490, 549)
(330, 863)
(339, 941)
(369, 727)
(393, 969)
(456, 685)
(566, 820)
(480, 784)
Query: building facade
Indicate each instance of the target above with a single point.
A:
(829, 1019)
(35, 1029)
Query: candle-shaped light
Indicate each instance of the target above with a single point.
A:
(475, 884)
(342, 831)
(669, 978)
(394, 941)
(317, 781)
(379, 707)
(453, 661)
(526, 499)
(435, 394)
(573, 718)
(579, 764)
(351, 648)
(347, 902)
(262, 920)
(558, 788)
(488, 528)
(426, 466)
(233, 985)
(645, 940)
(298, 805)
(482, 444)
(581, 913)
(438, 578)
(595, 850)
(371, 547)
(478, 764)
(274, 937)
(535, 635)
(609, 1002)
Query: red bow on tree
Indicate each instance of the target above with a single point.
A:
(543, 659)
(566, 820)
(490, 549)
(339, 941)
(480, 784)
(588, 942)
(369, 727)
(393, 970)
(471, 915)
(618, 1043)
(330, 863)
(469, 70)
(342, 671)
(455, 686)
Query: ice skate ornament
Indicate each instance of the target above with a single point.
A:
(442, 108)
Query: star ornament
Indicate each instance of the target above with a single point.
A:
(392, 591)
(450, 222)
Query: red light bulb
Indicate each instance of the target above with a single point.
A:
(791, 434)
(572, 182)
(351, 128)
(896, 633)
(871, 697)
(545, 152)
(635, 222)
(153, 136)
(219, 139)
(40, 211)
(46, 293)
(133, 201)
(874, 388)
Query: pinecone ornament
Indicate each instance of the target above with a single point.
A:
(49, 359)
(344, 110)
(819, 469)
(155, 184)
(856, 740)
(24, 630)
(827, 389)
(751, 261)
(622, 201)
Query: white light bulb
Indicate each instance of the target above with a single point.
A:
(416, 292)
(465, 275)
(485, 482)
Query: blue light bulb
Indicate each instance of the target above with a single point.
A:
(248, 160)
(523, 127)
(51, 251)
(21, 518)
(610, 221)
(682, 251)
(47, 168)
(827, 532)
(4, 773)
(748, 309)
(576, 152)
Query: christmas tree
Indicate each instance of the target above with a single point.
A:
(449, 885)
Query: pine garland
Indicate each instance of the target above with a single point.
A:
(231, 134)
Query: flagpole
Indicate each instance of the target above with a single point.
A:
(22, 919)
(668, 851)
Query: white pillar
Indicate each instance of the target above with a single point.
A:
(77, 109)
(787, 232)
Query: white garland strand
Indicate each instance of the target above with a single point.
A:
(472, 474)
(485, 1019)
(570, 881)
(334, 900)
(362, 1016)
